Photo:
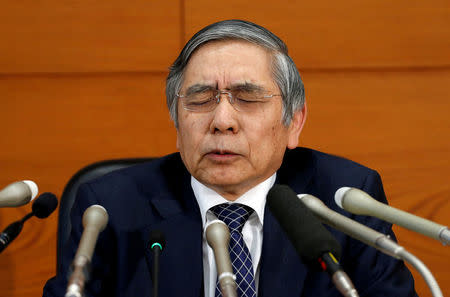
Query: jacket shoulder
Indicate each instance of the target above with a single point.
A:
(321, 174)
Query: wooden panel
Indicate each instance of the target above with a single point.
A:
(79, 36)
(395, 111)
(397, 123)
(343, 34)
(51, 126)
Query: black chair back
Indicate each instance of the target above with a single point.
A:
(68, 196)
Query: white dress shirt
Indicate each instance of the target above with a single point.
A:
(252, 231)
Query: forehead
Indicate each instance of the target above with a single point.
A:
(224, 63)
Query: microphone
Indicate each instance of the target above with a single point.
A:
(95, 219)
(312, 241)
(157, 243)
(369, 237)
(42, 207)
(18, 193)
(359, 202)
(218, 238)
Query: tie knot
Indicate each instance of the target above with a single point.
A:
(234, 215)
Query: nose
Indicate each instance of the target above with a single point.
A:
(225, 117)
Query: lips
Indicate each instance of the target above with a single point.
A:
(222, 152)
(221, 156)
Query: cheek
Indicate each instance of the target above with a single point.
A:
(275, 140)
(189, 135)
(192, 122)
(265, 141)
(267, 127)
(185, 143)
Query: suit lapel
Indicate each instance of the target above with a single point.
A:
(282, 271)
(181, 266)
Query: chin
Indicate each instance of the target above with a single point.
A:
(223, 180)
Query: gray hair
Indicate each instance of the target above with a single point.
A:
(285, 72)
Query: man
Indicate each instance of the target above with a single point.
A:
(237, 101)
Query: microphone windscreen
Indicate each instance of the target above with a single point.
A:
(339, 196)
(33, 188)
(44, 205)
(307, 234)
(156, 236)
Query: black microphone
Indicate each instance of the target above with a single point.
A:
(42, 207)
(313, 242)
(157, 243)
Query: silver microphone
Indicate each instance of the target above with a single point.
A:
(18, 193)
(218, 238)
(359, 202)
(369, 237)
(95, 219)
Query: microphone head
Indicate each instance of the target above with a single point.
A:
(18, 193)
(339, 195)
(306, 233)
(44, 205)
(33, 188)
(95, 216)
(217, 234)
(157, 239)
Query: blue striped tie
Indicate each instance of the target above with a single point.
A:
(235, 215)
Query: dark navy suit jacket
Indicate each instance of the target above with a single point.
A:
(158, 195)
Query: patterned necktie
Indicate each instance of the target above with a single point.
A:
(235, 215)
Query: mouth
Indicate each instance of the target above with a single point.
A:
(221, 155)
(222, 152)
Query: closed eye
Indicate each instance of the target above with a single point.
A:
(249, 101)
(199, 102)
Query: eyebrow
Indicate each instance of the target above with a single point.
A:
(198, 88)
(246, 86)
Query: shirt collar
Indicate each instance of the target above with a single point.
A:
(254, 198)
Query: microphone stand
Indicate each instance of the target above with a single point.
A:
(156, 248)
(402, 253)
(157, 243)
(12, 231)
(370, 237)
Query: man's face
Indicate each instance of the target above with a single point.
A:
(227, 150)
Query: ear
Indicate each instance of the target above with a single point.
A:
(295, 127)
